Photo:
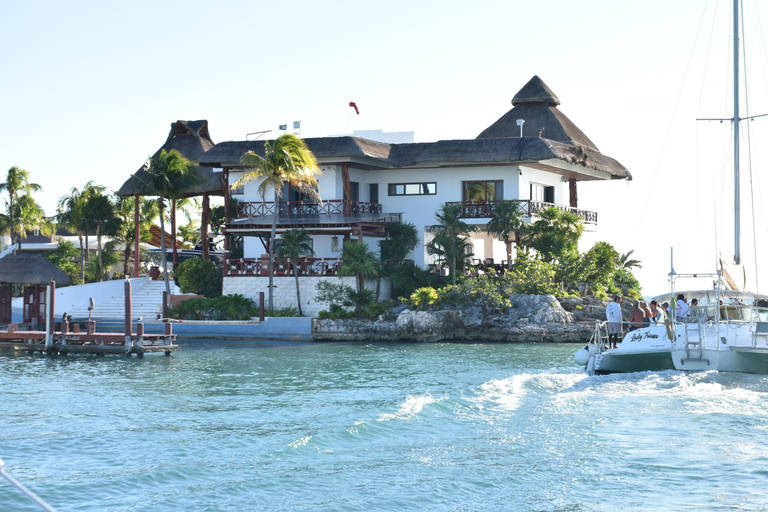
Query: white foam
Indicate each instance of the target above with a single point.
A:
(412, 406)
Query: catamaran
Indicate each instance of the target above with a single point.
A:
(726, 331)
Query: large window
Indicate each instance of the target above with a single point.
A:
(482, 191)
(542, 193)
(412, 189)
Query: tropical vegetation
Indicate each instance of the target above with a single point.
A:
(287, 160)
(169, 176)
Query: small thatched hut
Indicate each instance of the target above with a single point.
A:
(191, 139)
(30, 269)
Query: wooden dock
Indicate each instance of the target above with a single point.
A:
(66, 341)
(100, 344)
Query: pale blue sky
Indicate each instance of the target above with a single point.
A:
(90, 89)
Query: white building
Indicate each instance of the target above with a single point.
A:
(533, 154)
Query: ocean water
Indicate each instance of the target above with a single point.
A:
(281, 426)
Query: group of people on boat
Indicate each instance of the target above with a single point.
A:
(643, 315)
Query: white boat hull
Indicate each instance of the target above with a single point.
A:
(724, 346)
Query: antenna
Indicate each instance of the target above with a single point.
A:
(257, 133)
(520, 123)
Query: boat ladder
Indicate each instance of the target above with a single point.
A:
(694, 348)
(29, 494)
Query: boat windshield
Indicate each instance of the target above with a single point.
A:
(729, 312)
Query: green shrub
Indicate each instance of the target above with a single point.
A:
(226, 307)
(423, 298)
(199, 277)
(359, 299)
(289, 311)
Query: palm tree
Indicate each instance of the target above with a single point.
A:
(450, 242)
(28, 215)
(507, 224)
(295, 243)
(170, 175)
(359, 261)
(73, 215)
(126, 232)
(101, 214)
(286, 160)
(555, 235)
(17, 182)
(402, 238)
(623, 261)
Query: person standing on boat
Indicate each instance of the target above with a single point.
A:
(682, 308)
(657, 314)
(647, 314)
(613, 315)
(636, 317)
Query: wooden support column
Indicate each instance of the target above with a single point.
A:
(136, 254)
(347, 189)
(128, 316)
(226, 211)
(204, 226)
(50, 320)
(173, 233)
(574, 195)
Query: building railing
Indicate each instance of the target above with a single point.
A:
(307, 266)
(485, 209)
(303, 208)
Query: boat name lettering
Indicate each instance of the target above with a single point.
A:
(638, 336)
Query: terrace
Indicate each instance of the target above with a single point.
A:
(485, 209)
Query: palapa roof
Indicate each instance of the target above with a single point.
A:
(560, 142)
(30, 269)
(191, 139)
(537, 105)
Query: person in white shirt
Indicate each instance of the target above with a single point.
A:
(682, 309)
(613, 315)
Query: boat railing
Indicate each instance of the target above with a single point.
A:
(29, 494)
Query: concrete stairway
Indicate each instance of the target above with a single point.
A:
(146, 301)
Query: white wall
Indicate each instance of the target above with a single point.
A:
(285, 290)
(420, 210)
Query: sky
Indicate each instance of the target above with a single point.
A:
(89, 90)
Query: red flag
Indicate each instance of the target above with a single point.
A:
(354, 105)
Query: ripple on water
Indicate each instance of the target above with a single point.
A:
(280, 426)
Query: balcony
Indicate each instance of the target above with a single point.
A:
(484, 209)
(308, 266)
(303, 208)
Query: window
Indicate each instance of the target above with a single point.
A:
(412, 189)
(237, 191)
(354, 191)
(291, 194)
(542, 193)
(482, 191)
(279, 242)
(374, 193)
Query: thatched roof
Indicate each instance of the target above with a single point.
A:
(229, 154)
(499, 144)
(191, 139)
(537, 105)
(525, 150)
(30, 269)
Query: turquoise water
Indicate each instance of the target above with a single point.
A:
(277, 426)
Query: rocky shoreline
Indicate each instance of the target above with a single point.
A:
(532, 318)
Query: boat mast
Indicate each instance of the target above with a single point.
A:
(736, 188)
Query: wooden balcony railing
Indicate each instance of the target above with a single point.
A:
(260, 267)
(485, 209)
(303, 208)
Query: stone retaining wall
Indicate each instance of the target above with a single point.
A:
(532, 318)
